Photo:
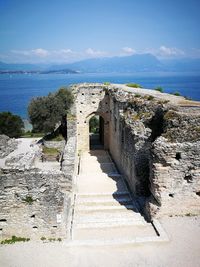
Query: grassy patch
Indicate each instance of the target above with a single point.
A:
(29, 134)
(57, 138)
(106, 83)
(134, 85)
(50, 151)
(28, 199)
(14, 239)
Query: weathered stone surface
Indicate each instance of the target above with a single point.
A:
(36, 203)
(134, 125)
(7, 145)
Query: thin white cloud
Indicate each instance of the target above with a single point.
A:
(170, 51)
(94, 53)
(40, 52)
(128, 50)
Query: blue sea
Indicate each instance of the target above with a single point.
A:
(17, 90)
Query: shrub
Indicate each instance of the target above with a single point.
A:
(45, 112)
(159, 89)
(134, 85)
(177, 94)
(10, 124)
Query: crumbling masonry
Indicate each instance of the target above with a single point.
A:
(154, 139)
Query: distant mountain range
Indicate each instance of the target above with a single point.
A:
(134, 63)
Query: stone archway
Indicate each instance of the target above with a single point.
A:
(92, 101)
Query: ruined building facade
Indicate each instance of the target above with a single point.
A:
(153, 138)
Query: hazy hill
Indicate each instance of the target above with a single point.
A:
(134, 63)
(143, 62)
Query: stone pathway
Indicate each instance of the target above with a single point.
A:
(104, 212)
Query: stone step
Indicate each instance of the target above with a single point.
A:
(126, 232)
(106, 201)
(113, 209)
(103, 195)
(108, 167)
(101, 216)
(105, 218)
(106, 224)
(98, 159)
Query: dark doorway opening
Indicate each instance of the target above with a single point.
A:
(96, 132)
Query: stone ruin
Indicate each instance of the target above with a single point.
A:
(154, 139)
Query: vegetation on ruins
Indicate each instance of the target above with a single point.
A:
(159, 89)
(28, 199)
(134, 85)
(14, 239)
(10, 124)
(177, 94)
(45, 112)
(50, 150)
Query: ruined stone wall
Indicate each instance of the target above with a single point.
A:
(175, 166)
(91, 99)
(156, 147)
(33, 204)
(36, 203)
(147, 134)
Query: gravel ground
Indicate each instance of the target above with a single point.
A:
(182, 250)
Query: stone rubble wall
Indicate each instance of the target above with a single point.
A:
(32, 204)
(37, 203)
(7, 145)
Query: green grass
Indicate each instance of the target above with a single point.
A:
(50, 151)
(134, 85)
(14, 239)
(57, 138)
(29, 134)
(28, 199)
(106, 83)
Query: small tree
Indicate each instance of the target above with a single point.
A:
(45, 112)
(10, 124)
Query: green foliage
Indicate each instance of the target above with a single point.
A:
(43, 238)
(94, 124)
(14, 239)
(134, 85)
(177, 94)
(10, 124)
(28, 199)
(44, 112)
(159, 89)
(106, 83)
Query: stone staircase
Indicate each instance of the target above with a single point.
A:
(104, 211)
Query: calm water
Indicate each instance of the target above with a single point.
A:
(17, 90)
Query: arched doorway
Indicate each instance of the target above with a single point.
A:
(96, 132)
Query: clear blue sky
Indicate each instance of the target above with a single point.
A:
(69, 30)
